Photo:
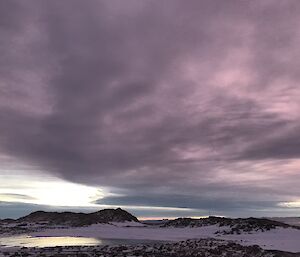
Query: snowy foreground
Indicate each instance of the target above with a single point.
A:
(188, 248)
(284, 239)
(205, 238)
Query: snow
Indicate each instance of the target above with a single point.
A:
(120, 232)
(294, 221)
(128, 223)
(284, 239)
(200, 247)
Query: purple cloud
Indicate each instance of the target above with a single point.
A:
(199, 96)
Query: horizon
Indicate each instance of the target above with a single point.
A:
(143, 219)
(173, 109)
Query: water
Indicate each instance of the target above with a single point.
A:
(28, 241)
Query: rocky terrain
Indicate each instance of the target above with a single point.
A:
(206, 237)
(72, 218)
(188, 248)
(231, 226)
(79, 219)
(43, 220)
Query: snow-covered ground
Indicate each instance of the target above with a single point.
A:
(285, 239)
(294, 221)
(123, 232)
(197, 248)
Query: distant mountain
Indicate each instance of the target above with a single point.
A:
(231, 226)
(79, 219)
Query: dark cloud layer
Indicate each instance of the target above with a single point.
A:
(186, 201)
(144, 96)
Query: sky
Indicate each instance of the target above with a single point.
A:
(164, 108)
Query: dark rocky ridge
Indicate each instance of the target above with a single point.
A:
(79, 219)
(234, 226)
(7, 221)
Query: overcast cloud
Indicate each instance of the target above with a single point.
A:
(168, 104)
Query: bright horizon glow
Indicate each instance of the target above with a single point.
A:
(66, 194)
(294, 204)
(55, 192)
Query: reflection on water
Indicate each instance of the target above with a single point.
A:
(28, 241)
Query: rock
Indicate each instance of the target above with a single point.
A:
(79, 219)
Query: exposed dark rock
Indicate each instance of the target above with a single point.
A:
(189, 248)
(233, 226)
(79, 219)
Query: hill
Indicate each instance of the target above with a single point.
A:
(79, 219)
(231, 226)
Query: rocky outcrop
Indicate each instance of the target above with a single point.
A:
(231, 226)
(189, 248)
(79, 219)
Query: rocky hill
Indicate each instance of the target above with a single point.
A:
(79, 219)
(6, 221)
(227, 225)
